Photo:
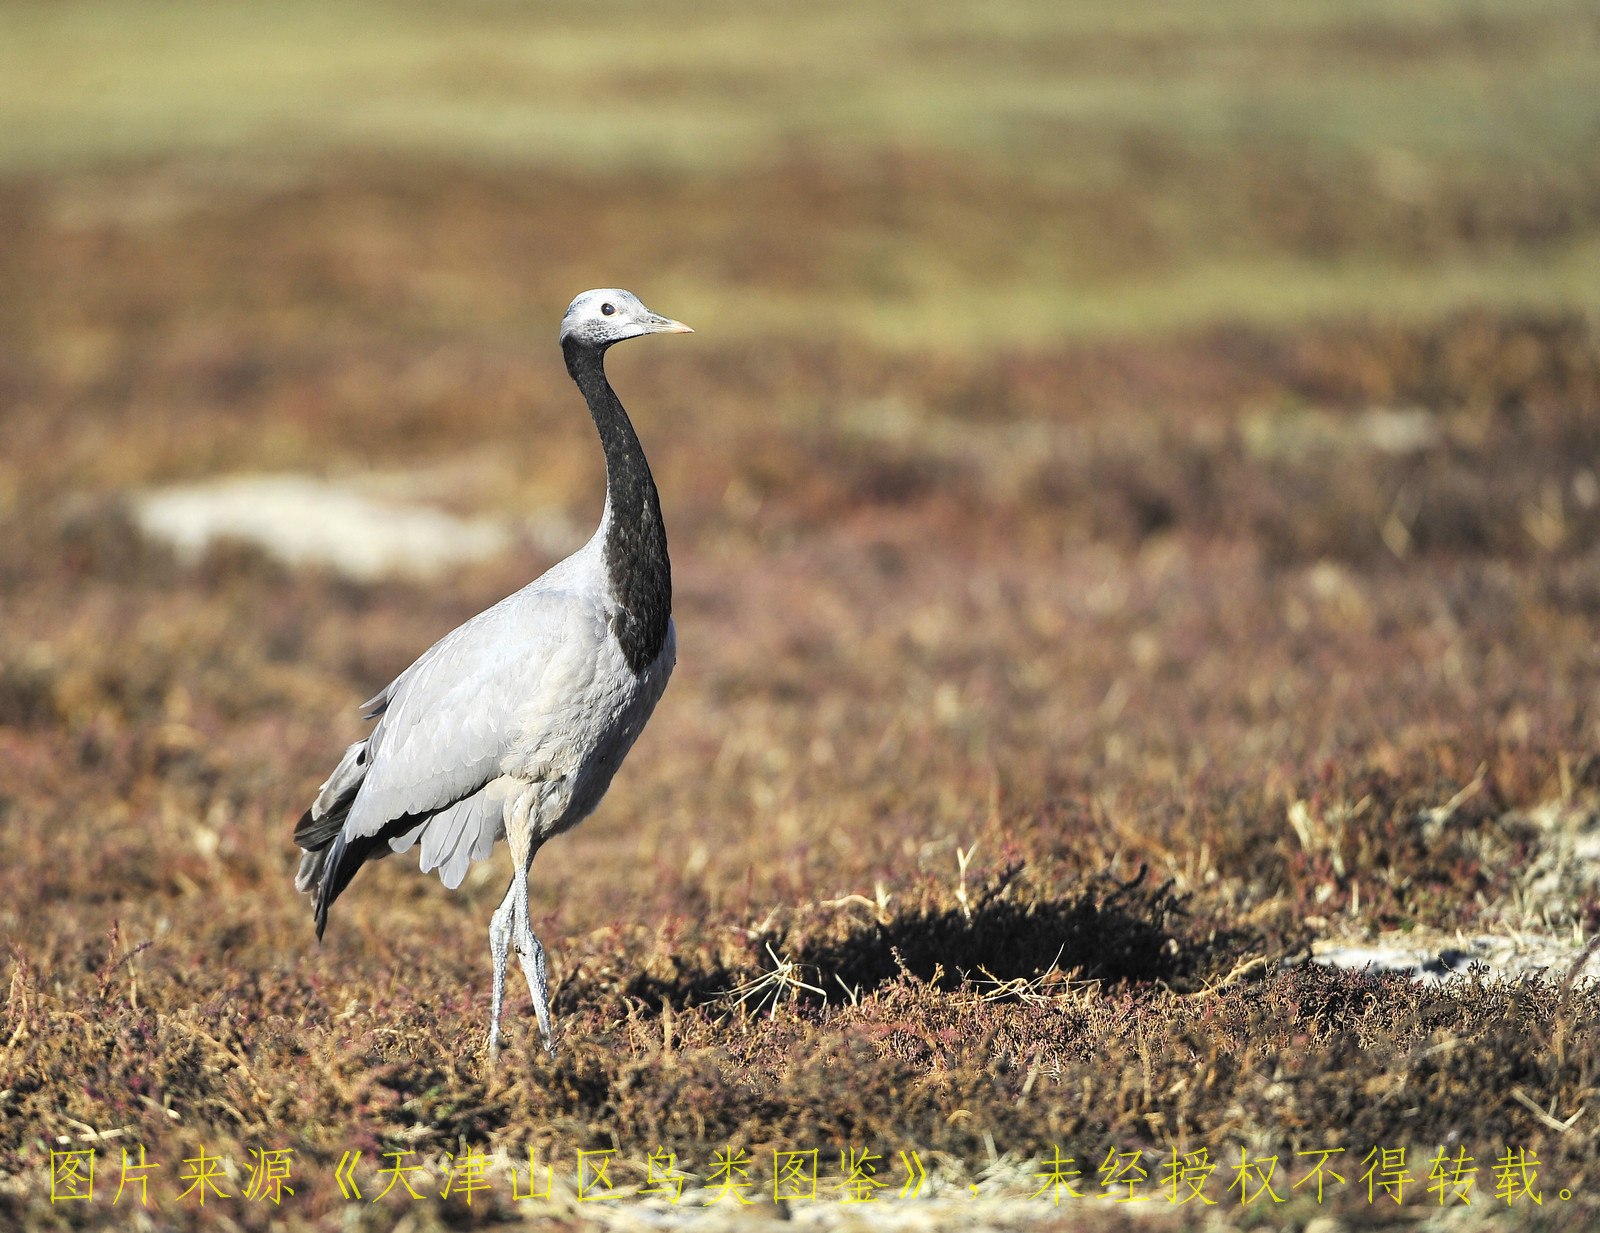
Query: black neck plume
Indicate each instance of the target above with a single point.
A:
(636, 543)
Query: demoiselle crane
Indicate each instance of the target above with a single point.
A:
(514, 723)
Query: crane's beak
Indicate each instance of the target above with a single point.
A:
(666, 325)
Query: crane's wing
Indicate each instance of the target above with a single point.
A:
(507, 679)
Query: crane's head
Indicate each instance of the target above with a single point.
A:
(609, 315)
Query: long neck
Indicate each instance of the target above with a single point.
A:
(636, 539)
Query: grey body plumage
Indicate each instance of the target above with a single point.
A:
(512, 725)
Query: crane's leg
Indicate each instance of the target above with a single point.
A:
(531, 951)
(500, 948)
(510, 926)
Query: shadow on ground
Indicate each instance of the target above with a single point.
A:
(1111, 932)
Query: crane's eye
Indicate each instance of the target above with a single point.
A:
(608, 309)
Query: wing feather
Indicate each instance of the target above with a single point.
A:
(511, 681)
(452, 717)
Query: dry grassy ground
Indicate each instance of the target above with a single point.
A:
(1096, 617)
(1058, 666)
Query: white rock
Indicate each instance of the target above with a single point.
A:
(301, 520)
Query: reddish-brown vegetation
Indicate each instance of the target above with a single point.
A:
(998, 679)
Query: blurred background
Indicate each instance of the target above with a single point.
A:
(1109, 426)
(938, 175)
(1097, 394)
(1070, 381)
